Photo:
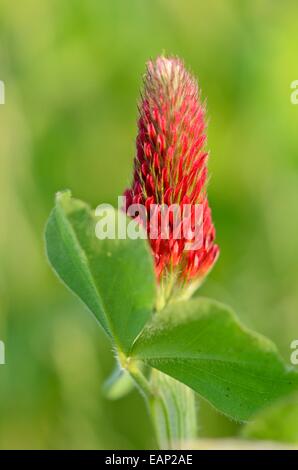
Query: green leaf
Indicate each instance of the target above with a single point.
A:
(278, 422)
(114, 278)
(202, 344)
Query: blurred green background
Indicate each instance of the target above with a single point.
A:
(72, 71)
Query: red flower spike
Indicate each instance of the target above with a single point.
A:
(170, 168)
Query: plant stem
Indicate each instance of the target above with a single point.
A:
(173, 411)
(141, 382)
(171, 405)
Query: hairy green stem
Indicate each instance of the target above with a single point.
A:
(173, 412)
(142, 383)
(171, 405)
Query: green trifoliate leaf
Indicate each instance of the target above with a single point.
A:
(202, 344)
(114, 277)
(278, 422)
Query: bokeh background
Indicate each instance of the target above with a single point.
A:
(72, 71)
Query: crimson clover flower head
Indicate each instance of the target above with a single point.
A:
(170, 167)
